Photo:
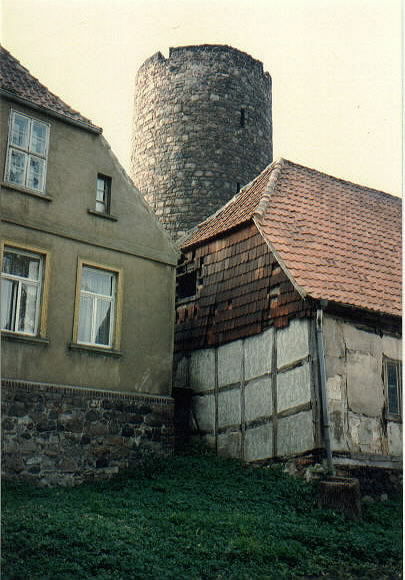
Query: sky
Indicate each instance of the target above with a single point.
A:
(335, 65)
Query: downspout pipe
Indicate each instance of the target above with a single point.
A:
(322, 387)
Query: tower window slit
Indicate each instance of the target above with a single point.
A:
(242, 117)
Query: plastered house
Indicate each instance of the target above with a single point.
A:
(87, 295)
(288, 322)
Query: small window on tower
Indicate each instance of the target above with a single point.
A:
(103, 194)
(238, 187)
(242, 117)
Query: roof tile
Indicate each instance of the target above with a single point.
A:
(17, 81)
(338, 241)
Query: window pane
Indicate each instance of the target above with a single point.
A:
(392, 386)
(16, 168)
(100, 206)
(21, 265)
(35, 177)
(98, 281)
(85, 317)
(100, 194)
(38, 138)
(103, 318)
(28, 308)
(20, 131)
(8, 304)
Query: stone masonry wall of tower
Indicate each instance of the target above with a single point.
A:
(202, 130)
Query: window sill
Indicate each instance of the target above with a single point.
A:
(14, 336)
(37, 194)
(106, 216)
(97, 350)
(394, 418)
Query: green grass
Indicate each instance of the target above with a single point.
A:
(193, 518)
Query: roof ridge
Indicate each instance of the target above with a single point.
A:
(341, 180)
(275, 170)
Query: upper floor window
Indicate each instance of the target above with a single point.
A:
(103, 194)
(21, 282)
(27, 152)
(393, 387)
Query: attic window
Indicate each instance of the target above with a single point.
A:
(242, 117)
(103, 193)
(189, 278)
(27, 152)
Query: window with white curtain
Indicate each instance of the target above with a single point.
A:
(21, 282)
(97, 306)
(27, 152)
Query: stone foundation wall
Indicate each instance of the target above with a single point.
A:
(63, 435)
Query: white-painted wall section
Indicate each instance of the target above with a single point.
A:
(252, 397)
(356, 392)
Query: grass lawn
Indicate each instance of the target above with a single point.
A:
(197, 518)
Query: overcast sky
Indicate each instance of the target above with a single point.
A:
(335, 64)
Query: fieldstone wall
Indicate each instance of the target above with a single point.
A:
(65, 435)
(202, 125)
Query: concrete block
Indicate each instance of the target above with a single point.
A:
(295, 434)
(334, 343)
(365, 434)
(259, 443)
(394, 431)
(229, 411)
(292, 342)
(364, 383)
(204, 412)
(258, 353)
(361, 340)
(334, 388)
(202, 369)
(229, 444)
(229, 363)
(293, 387)
(392, 347)
(258, 399)
(181, 380)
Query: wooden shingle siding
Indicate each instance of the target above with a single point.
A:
(243, 291)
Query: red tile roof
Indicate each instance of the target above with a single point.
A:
(16, 81)
(336, 240)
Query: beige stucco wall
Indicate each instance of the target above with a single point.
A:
(134, 243)
(355, 389)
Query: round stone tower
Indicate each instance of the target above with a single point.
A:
(202, 130)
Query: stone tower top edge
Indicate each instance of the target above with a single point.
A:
(182, 52)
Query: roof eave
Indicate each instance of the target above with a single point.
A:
(50, 112)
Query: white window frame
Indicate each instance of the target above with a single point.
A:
(115, 328)
(20, 280)
(27, 152)
(106, 201)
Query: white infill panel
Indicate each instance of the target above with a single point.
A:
(292, 342)
(229, 363)
(258, 352)
(204, 412)
(229, 444)
(295, 434)
(258, 399)
(293, 387)
(202, 369)
(229, 412)
(259, 442)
